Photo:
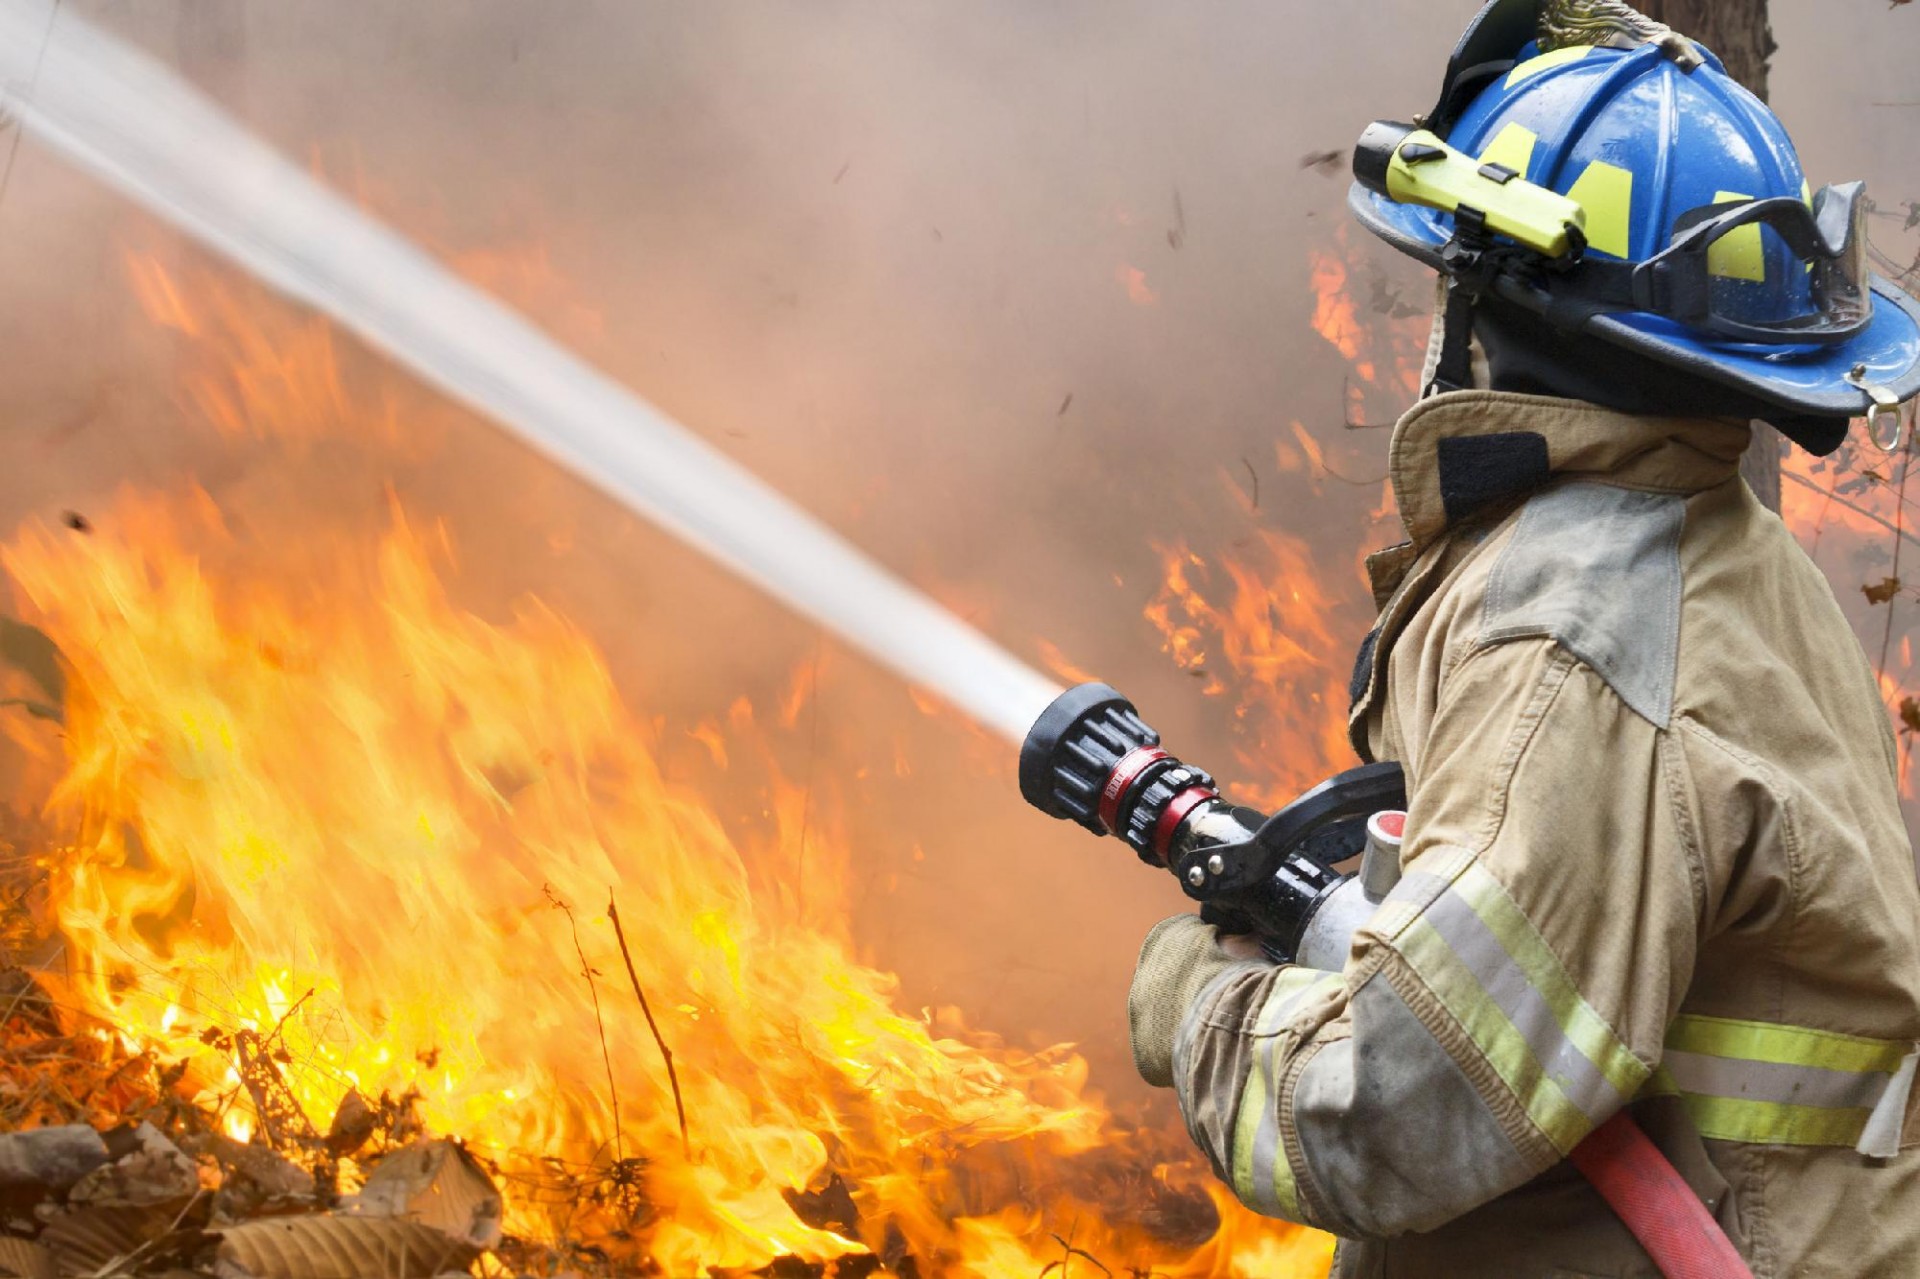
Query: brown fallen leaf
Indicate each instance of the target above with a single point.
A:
(353, 1124)
(333, 1246)
(257, 1181)
(1325, 163)
(87, 1241)
(1883, 592)
(150, 1171)
(1909, 715)
(25, 1259)
(436, 1183)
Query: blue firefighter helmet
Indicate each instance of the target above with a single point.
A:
(1702, 245)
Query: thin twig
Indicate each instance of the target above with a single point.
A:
(119, 1265)
(613, 1091)
(1073, 1252)
(1899, 541)
(666, 1054)
(281, 1025)
(1857, 509)
(1253, 475)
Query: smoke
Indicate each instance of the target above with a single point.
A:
(999, 289)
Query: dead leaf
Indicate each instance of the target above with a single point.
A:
(829, 1208)
(258, 1181)
(1325, 163)
(25, 1001)
(25, 1259)
(353, 1123)
(85, 1241)
(333, 1246)
(1910, 715)
(1882, 593)
(28, 649)
(436, 1183)
(152, 1171)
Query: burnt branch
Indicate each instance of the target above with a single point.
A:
(666, 1054)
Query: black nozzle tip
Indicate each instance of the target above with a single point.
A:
(1072, 747)
(1373, 154)
(1055, 726)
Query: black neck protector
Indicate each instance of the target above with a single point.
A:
(1528, 355)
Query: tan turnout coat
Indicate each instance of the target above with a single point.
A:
(1655, 858)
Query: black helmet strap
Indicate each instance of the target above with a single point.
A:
(1455, 369)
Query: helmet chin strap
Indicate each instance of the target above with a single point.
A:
(1455, 359)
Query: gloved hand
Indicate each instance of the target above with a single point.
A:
(1180, 957)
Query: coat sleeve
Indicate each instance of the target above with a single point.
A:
(1509, 996)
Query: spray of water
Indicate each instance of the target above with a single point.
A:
(138, 127)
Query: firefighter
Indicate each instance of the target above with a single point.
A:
(1655, 859)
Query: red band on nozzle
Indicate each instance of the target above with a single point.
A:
(1177, 812)
(1121, 780)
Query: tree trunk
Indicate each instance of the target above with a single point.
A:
(1738, 31)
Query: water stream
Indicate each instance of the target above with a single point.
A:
(137, 126)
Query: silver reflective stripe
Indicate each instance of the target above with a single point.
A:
(1503, 982)
(1770, 1081)
(1880, 1139)
(1195, 1020)
(1267, 1146)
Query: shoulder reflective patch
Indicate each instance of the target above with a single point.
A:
(1605, 191)
(1483, 959)
(1739, 254)
(1392, 1132)
(1773, 1085)
(1597, 569)
(1262, 1176)
(1512, 148)
(1546, 62)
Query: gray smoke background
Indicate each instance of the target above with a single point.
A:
(1009, 291)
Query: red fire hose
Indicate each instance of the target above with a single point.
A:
(1656, 1203)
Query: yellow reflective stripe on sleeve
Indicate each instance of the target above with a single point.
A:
(1785, 1045)
(1262, 1174)
(1771, 1123)
(1546, 62)
(1254, 1102)
(1587, 1029)
(1480, 955)
(1771, 1085)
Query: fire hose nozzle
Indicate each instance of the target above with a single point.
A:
(1091, 759)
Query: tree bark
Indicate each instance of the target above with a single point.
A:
(1739, 32)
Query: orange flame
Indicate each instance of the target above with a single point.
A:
(1849, 513)
(1265, 617)
(314, 799)
(1335, 317)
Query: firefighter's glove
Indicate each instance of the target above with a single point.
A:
(1181, 956)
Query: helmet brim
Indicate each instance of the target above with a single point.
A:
(1804, 381)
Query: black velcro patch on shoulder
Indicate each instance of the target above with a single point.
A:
(1478, 469)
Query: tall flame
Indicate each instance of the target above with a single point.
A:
(317, 807)
(1263, 630)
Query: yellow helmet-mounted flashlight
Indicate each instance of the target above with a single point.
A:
(1413, 166)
